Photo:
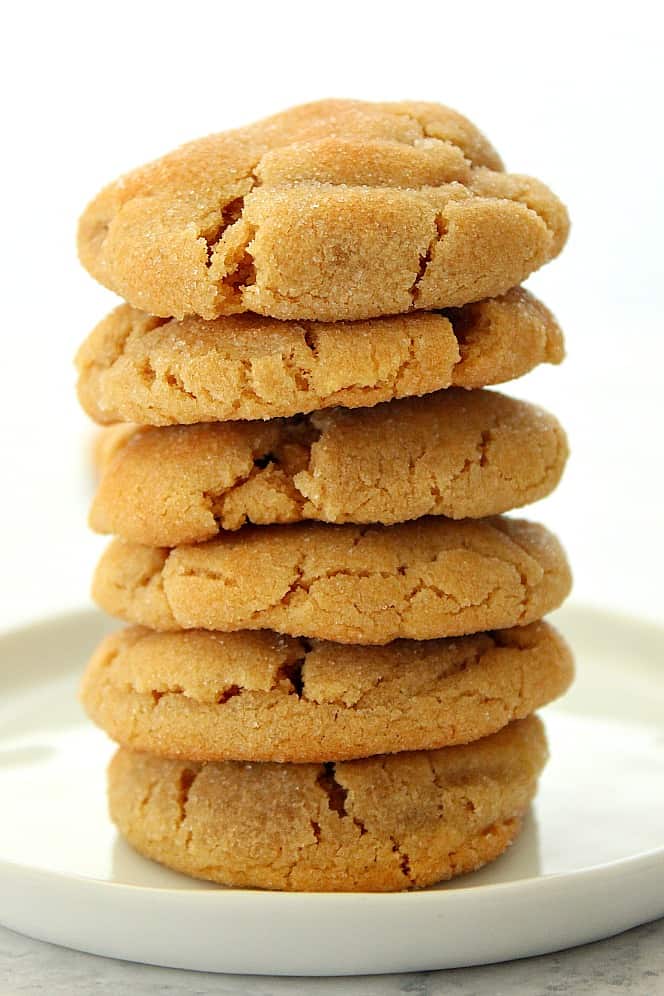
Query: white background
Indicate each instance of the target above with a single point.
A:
(572, 95)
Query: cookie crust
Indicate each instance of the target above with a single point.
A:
(383, 824)
(329, 211)
(350, 584)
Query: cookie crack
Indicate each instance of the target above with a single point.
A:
(456, 606)
(358, 705)
(486, 438)
(185, 782)
(147, 796)
(439, 233)
(173, 380)
(403, 367)
(147, 372)
(123, 342)
(229, 693)
(216, 500)
(404, 860)
(536, 486)
(465, 323)
(291, 671)
(309, 337)
(277, 466)
(524, 490)
(295, 585)
(526, 587)
(157, 694)
(521, 195)
(337, 795)
(480, 459)
(230, 264)
(230, 213)
(246, 390)
(243, 269)
(298, 585)
(425, 132)
(478, 697)
(333, 789)
(151, 576)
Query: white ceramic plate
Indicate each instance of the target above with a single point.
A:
(589, 864)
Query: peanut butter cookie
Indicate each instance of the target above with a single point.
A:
(137, 368)
(462, 454)
(259, 696)
(382, 824)
(351, 584)
(333, 210)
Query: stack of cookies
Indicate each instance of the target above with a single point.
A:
(337, 642)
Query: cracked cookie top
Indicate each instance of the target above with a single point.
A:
(134, 367)
(259, 696)
(462, 454)
(383, 823)
(351, 584)
(329, 211)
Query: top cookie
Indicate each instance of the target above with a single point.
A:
(332, 210)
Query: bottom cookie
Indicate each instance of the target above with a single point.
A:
(382, 824)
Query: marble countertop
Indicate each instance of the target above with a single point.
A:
(632, 962)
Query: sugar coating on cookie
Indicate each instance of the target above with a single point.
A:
(260, 696)
(134, 367)
(332, 210)
(382, 824)
(462, 454)
(351, 584)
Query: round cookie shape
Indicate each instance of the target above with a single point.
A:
(382, 824)
(350, 584)
(137, 368)
(259, 696)
(462, 454)
(333, 210)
